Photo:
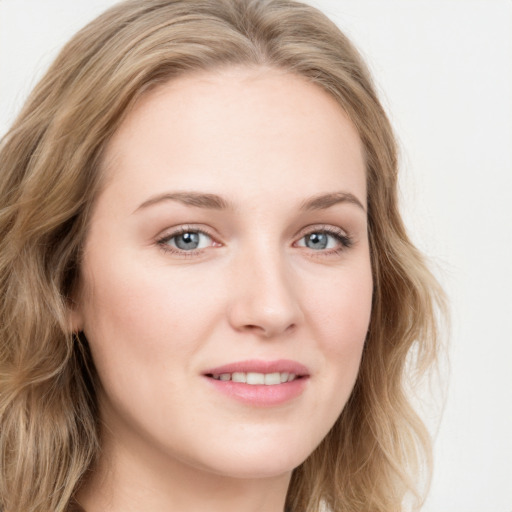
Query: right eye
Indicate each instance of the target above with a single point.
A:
(186, 241)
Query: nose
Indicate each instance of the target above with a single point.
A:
(264, 299)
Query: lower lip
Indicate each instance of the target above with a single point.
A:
(260, 395)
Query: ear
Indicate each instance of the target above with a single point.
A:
(74, 315)
(74, 309)
(75, 318)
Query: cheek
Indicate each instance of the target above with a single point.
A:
(340, 317)
(137, 317)
(341, 309)
(144, 330)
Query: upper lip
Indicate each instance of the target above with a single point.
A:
(260, 366)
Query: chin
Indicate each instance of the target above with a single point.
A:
(262, 468)
(257, 459)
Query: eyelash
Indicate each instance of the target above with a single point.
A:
(345, 241)
(163, 242)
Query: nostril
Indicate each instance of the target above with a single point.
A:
(268, 330)
(252, 327)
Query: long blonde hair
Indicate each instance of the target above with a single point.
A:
(50, 164)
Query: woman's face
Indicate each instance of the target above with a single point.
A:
(229, 244)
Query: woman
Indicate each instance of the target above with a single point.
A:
(210, 299)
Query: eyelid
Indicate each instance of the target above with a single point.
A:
(317, 228)
(341, 235)
(170, 233)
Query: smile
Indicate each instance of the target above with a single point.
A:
(260, 383)
(255, 378)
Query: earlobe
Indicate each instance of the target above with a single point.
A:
(74, 317)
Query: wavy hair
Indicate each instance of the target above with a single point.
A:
(50, 175)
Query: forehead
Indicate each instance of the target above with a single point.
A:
(212, 130)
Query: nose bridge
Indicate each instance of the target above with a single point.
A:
(265, 299)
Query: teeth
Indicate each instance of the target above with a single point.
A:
(239, 377)
(254, 378)
(272, 379)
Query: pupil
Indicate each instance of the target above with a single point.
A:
(187, 241)
(317, 241)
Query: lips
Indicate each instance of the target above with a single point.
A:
(258, 382)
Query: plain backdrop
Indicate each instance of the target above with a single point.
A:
(444, 72)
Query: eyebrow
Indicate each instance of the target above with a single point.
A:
(197, 199)
(324, 201)
(216, 202)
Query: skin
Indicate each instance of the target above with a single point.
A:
(156, 319)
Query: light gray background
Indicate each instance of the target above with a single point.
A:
(444, 71)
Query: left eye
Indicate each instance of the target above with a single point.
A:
(189, 240)
(320, 240)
